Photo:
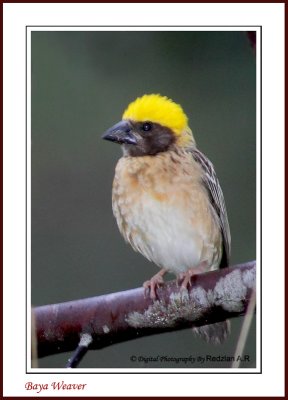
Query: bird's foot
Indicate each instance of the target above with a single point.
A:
(185, 277)
(180, 278)
(154, 283)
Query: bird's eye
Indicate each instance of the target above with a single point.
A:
(147, 126)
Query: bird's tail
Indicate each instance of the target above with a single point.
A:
(214, 333)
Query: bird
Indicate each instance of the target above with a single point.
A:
(166, 197)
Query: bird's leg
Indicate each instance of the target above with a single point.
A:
(155, 282)
(191, 272)
(180, 278)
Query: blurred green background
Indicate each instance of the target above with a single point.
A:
(81, 84)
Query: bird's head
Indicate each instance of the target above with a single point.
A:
(151, 124)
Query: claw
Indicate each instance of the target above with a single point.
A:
(180, 278)
(187, 280)
(187, 276)
(154, 283)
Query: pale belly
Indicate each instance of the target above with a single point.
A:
(166, 235)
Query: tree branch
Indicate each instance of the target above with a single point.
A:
(117, 317)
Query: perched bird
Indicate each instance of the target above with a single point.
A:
(166, 197)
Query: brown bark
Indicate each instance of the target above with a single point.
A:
(117, 317)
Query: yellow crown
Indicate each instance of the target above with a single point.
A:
(158, 109)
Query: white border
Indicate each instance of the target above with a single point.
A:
(258, 133)
(16, 16)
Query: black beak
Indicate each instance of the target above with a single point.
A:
(120, 133)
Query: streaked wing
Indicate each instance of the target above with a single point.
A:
(217, 200)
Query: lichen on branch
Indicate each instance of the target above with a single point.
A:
(213, 297)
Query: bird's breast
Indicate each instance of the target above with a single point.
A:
(163, 211)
